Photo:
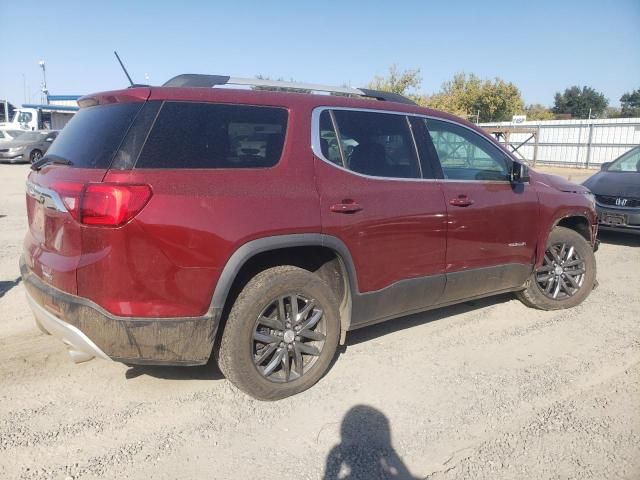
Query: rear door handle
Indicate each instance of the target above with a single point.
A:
(346, 206)
(461, 201)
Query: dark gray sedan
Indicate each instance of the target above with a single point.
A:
(27, 147)
(617, 190)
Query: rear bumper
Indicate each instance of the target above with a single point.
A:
(80, 347)
(89, 331)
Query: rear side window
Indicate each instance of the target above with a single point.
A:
(377, 144)
(201, 135)
(93, 135)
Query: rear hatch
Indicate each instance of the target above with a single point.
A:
(78, 160)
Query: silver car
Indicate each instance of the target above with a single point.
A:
(27, 147)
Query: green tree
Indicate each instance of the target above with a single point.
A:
(630, 103)
(538, 112)
(612, 112)
(404, 82)
(580, 101)
(469, 96)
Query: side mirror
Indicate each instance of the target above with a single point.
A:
(519, 173)
(605, 166)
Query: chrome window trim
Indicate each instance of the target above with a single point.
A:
(47, 197)
(315, 144)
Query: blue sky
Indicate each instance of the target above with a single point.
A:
(542, 46)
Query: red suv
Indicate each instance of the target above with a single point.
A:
(169, 223)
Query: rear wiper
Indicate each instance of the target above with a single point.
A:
(48, 160)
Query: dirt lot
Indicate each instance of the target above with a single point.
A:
(488, 389)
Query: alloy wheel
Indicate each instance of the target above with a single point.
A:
(288, 337)
(562, 273)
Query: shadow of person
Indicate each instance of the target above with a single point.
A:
(365, 450)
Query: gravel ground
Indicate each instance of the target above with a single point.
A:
(487, 389)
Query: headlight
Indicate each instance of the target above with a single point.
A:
(16, 149)
(591, 197)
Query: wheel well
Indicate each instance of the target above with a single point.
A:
(322, 261)
(579, 224)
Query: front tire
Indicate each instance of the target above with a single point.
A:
(35, 156)
(567, 275)
(281, 334)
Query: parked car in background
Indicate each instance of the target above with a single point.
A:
(170, 223)
(617, 190)
(8, 135)
(27, 147)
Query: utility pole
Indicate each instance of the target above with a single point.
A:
(45, 93)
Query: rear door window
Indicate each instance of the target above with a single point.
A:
(93, 135)
(377, 144)
(201, 135)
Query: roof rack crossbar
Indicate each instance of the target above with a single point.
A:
(209, 81)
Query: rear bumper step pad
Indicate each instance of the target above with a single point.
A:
(90, 331)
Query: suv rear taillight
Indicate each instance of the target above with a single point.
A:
(103, 204)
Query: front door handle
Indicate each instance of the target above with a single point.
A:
(346, 206)
(461, 201)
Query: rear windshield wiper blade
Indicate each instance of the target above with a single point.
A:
(50, 159)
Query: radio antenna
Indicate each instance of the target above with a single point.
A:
(123, 68)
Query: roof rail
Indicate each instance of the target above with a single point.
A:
(209, 81)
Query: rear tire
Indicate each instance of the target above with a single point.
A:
(281, 334)
(566, 276)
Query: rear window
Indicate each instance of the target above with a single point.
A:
(93, 135)
(200, 135)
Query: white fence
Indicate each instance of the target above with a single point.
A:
(576, 143)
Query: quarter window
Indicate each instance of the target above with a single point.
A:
(203, 135)
(465, 155)
(329, 139)
(376, 144)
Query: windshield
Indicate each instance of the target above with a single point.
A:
(629, 162)
(93, 135)
(24, 117)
